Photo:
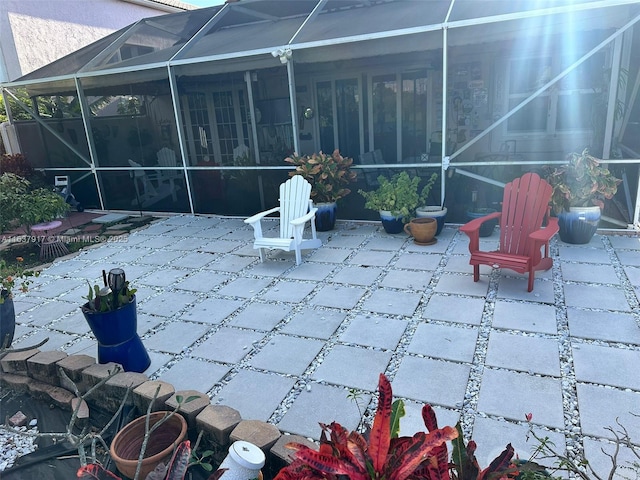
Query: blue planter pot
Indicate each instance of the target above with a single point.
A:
(390, 223)
(579, 225)
(7, 319)
(117, 336)
(326, 216)
(487, 228)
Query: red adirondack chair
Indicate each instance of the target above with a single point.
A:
(525, 205)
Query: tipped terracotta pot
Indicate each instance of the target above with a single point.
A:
(423, 230)
(126, 445)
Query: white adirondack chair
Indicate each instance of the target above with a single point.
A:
(296, 209)
(167, 158)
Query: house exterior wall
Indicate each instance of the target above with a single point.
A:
(34, 33)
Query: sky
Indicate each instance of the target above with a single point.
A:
(204, 3)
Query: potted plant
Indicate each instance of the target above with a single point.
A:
(110, 311)
(9, 276)
(23, 206)
(395, 199)
(579, 191)
(329, 176)
(166, 430)
(438, 212)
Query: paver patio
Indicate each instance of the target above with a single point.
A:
(285, 343)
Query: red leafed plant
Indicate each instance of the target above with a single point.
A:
(383, 456)
(465, 466)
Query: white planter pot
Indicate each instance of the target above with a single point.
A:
(439, 213)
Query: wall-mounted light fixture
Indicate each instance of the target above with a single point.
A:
(283, 53)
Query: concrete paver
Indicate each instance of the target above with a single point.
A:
(241, 390)
(228, 345)
(592, 296)
(314, 322)
(511, 394)
(211, 310)
(353, 367)
(608, 326)
(392, 302)
(523, 353)
(187, 372)
(455, 309)
(602, 407)
(525, 317)
(356, 275)
(338, 296)
(606, 366)
(329, 403)
(449, 342)
(175, 336)
(432, 381)
(286, 354)
(260, 316)
(372, 331)
(285, 343)
(408, 280)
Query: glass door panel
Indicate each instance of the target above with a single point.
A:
(325, 116)
(348, 113)
(414, 115)
(385, 137)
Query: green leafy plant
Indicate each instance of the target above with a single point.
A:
(426, 190)
(398, 195)
(22, 206)
(384, 455)
(100, 300)
(12, 274)
(328, 175)
(583, 182)
(203, 458)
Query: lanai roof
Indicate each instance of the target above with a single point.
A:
(316, 30)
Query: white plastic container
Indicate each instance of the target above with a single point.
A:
(243, 462)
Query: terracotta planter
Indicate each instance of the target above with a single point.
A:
(125, 447)
(423, 230)
(439, 213)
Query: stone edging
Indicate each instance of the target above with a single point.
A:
(38, 373)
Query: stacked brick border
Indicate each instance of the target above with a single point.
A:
(38, 373)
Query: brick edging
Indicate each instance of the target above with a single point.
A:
(38, 373)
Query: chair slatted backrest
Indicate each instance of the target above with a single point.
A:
(524, 206)
(167, 157)
(295, 194)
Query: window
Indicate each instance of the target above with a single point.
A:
(565, 106)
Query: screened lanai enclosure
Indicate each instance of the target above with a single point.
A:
(195, 112)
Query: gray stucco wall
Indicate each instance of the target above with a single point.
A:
(34, 33)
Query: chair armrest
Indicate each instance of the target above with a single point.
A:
(472, 229)
(259, 216)
(543, 235)
(305, 218)
(476, 223)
